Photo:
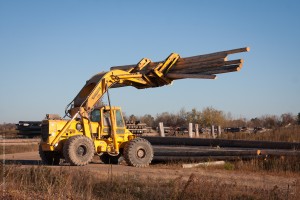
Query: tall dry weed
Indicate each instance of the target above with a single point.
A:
(42, 182)
(281, 134)
(9, 149)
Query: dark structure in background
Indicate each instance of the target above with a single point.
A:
(29, 129)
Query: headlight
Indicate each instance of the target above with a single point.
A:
(78, 126)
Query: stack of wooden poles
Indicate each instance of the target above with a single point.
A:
(201, 66)
(180, 148)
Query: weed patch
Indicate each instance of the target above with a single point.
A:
(18, 148)
(41, 182)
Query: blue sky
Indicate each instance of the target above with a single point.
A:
(48, 49)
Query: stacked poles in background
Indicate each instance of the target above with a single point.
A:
(179, 148)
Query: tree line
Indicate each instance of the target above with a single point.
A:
(211, 116)
(205, 118)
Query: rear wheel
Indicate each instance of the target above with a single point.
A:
(138, 153)
(49, 157)
(78, 150)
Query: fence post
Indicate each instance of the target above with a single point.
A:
(190, 130)
(197, 130)
(161, 129)
(219, 131)
(213, 131)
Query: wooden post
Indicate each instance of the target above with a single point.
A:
(219, 131)
(190, 130)
(179, 141)
(213, 131)
(206, 164)
(161, 129)
(197, 130)
(181, 76)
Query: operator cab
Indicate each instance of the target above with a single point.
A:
(103, 117)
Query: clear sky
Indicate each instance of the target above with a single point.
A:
(48, 49)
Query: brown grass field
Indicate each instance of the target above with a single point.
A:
(270, 178)
(40, 182)
(289, 134)
(9, 149)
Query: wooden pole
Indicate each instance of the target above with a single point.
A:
(206, 59)
(198, 76)
(219, 131)
(211, 64)
(171, 141)
(213, 131)
(210, 70)
(190, 130)
(205, 152)
(197, 130)
(219, 54)
(161, 129)
(205, 164)
(203, 158)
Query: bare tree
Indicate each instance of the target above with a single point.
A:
(148, 119)
(271, 121)
(256, 122)
(194, 116)
(287, 118)
(211, 116)
(133, 118)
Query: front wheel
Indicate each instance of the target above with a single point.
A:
(138, 152)
(79, 150)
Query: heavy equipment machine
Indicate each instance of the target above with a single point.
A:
(101, 130)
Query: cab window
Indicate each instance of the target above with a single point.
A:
(106, 118)
(119, 119)
(95, 116)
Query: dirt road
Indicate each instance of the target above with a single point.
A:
(163, 171)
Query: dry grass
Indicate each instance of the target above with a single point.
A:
(9, 134)
(288, 134)
(62, 183)
(273, 164)
(8, 149)
(40, 182)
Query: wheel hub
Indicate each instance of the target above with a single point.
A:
(81, 150)
(141, 153)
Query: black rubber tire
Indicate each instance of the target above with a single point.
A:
(108, 159)
(138, 153)
(78, 150)
(49, 157)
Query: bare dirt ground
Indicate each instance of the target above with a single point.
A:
(265, 180)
